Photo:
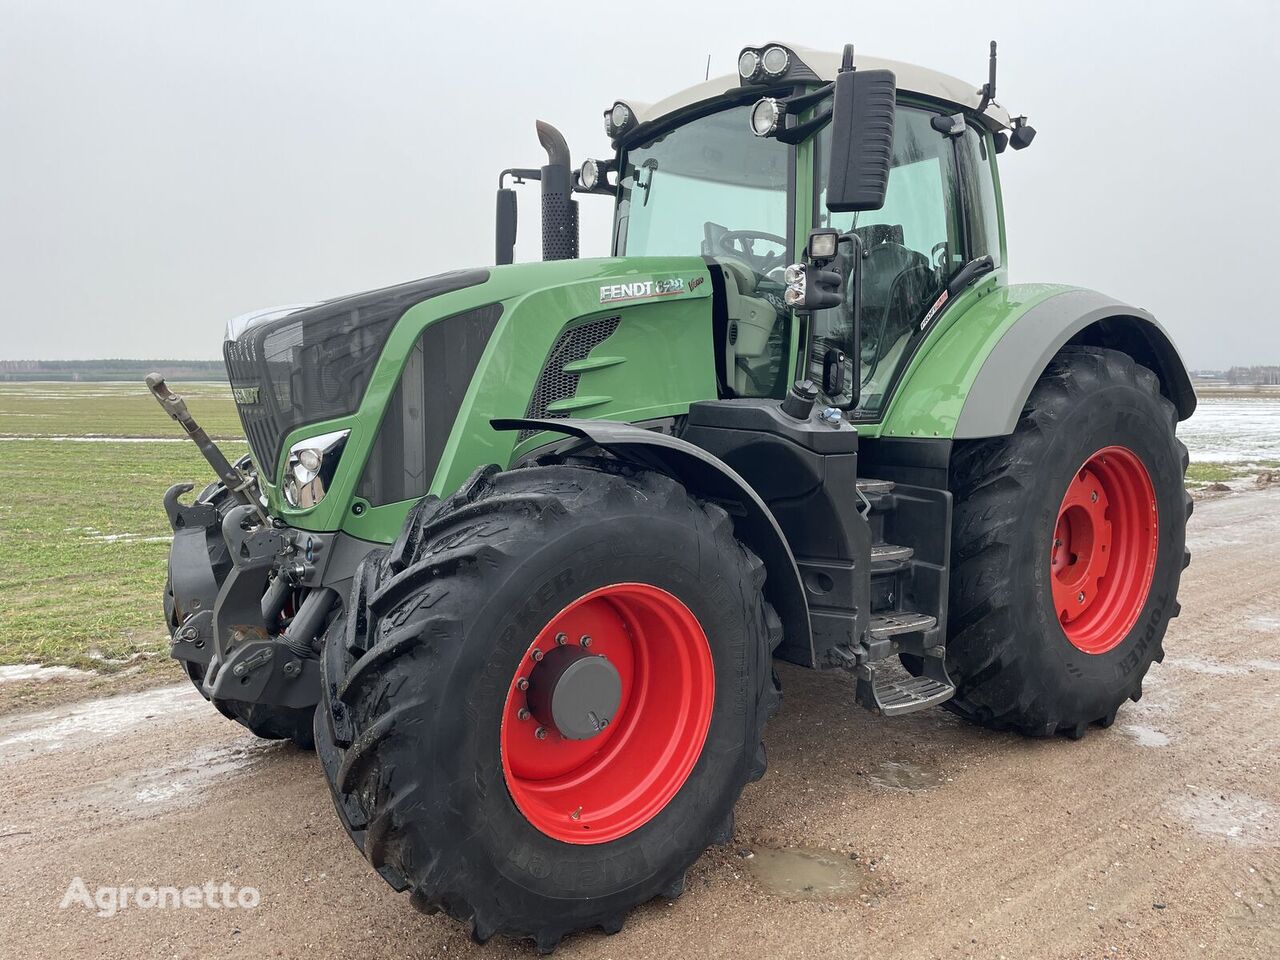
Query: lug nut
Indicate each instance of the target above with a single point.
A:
(561, 639)
(585, 640)
(522, 714)
(541, 733)
(522, 684)
(537, 654)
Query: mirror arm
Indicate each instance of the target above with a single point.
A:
(803, 131)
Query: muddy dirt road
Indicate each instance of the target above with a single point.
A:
(1157, 838)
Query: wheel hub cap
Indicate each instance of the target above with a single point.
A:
(575, 692)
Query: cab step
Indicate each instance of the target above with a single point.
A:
(886, 625)
(874, 488)
(891, 697)
(888, 557)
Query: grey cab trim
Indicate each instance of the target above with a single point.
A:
(1004, 382)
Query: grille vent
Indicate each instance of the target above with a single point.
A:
(554, 383)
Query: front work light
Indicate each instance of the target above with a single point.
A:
(589, 175)
(766, 117)
(775, 61)
(748, 65)
(310, 467)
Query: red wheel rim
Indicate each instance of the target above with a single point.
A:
(597, 790)
(1103, 555)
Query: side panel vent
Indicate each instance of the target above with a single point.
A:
(554, 382)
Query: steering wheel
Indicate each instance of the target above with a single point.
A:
(741, 244)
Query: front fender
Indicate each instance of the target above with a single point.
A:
(709, 477)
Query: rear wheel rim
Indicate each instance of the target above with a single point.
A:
(1103, 553)
(605, 787)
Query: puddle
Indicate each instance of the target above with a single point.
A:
(179, 781)
(804, 873)
(1145, 736)
(1236, 817)
(904, 775)
(48, 730)
(34, 671)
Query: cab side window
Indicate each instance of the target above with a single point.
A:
(911, 247)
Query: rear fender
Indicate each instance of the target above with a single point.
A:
(1011, 369)
(713, 479)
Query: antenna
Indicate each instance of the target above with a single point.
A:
(708, 75)
(989, 88)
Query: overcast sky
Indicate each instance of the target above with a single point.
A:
(166, 165)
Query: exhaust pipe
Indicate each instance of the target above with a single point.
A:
(559, 209)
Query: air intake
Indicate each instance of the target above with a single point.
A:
(556, 383)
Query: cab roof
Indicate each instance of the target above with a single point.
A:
(824, 65)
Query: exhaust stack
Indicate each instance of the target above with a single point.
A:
(559, 209)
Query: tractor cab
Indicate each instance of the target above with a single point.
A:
(737, 170)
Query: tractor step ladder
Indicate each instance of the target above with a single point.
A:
(883, 685)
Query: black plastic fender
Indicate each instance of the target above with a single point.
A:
(713, 479)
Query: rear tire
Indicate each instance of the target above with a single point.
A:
(418, 715)
(1035, 644)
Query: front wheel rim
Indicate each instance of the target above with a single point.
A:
(602, 788)
(1103, 554)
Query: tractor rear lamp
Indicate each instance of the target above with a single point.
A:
(766, 116)
(310, 468)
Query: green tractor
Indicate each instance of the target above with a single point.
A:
(517, 546)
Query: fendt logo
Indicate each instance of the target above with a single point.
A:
(641, 289)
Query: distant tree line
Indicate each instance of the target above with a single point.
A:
(1253, 375)
(106, 370)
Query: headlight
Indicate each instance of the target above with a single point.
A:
(766, 116)
(310, 468)
(775, 61)
(796, 279)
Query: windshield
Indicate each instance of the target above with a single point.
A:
(709, 188)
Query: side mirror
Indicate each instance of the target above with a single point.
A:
(862, 111)
(506, 226)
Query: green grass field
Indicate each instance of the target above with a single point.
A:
(83, 537)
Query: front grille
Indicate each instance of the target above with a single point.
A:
(555, 383)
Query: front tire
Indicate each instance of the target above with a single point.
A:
(437, 769)
(1068, 544)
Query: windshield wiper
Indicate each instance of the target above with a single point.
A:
(652, 166)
